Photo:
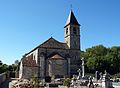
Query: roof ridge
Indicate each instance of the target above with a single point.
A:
(41, 45)
(50, 39)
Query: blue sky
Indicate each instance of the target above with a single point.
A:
(24, 24)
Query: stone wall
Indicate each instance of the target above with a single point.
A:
(57, 67)
(2, 77)
(41, 55)
(49, 51)
(73, 55)
(75, 61)
(35, 55)
(29, 72)
(21, 70)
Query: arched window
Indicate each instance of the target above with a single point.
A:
(74, 31)
(34, 57)
(66, 31)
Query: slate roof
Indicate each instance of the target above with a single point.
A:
(29, 61)
(71, 19)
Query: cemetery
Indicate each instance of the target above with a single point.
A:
(99, 80)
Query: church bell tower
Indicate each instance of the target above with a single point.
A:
(72, 32)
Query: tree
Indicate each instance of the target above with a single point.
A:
(113, 59)
(16, 62)
(95, 57)
(101, 58)
(3, 68)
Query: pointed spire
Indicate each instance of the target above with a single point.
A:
(72, 19)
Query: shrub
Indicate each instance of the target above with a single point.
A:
(66, 82)
(116, 75)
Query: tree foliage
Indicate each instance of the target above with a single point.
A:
(5, 67)
(66, 82)
(100, 58)
(1, 62)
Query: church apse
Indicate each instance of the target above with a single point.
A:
(57, 66)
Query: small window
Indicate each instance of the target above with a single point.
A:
(74, 31)
(66, 30)
(34, 57)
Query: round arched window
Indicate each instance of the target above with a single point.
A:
(74, 31)
(66, 31)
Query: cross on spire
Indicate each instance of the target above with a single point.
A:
(71, 6)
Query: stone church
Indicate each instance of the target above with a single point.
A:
(54, 58)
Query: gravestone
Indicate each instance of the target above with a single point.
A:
(101, 76)
(83, 68)
(106, 82)
(97, 76)
(90, 84)
(73, 81)
(79, 74)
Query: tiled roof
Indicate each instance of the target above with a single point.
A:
(56, 57)
(29, 61)
(52, 43)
